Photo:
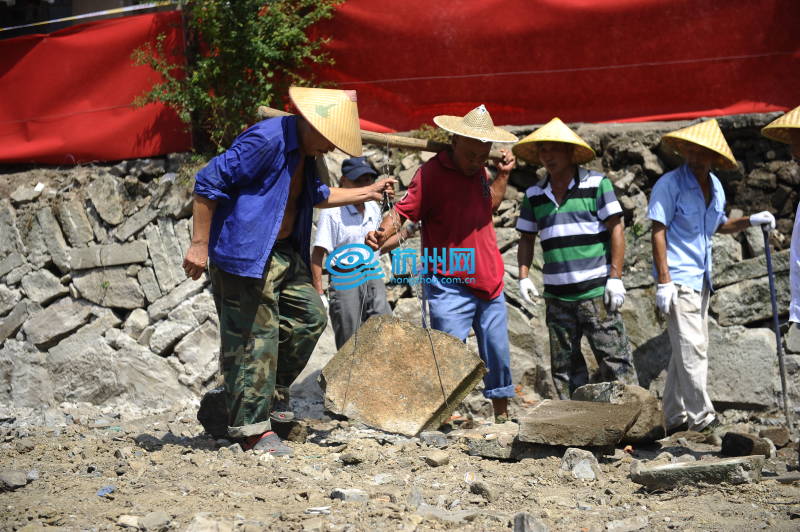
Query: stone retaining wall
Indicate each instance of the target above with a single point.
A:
(95, 307)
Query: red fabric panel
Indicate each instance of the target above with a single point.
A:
(581, 60)
(66, 97)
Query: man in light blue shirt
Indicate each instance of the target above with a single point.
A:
(687, 207)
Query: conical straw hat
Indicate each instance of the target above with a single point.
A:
(554, 131)
(332, 112)
(706, 134)
(780, 128)
(477, 124)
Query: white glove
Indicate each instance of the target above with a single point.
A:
(324, 301)
(665, 296)
(528, 290)
(615, 294)
(763, 218)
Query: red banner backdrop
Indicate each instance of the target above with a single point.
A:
(66, 97)
(581, 60)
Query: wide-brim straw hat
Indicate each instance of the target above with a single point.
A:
(333, 113)
(781, 128)
(554, 131)
(706, 134)
(477, 124)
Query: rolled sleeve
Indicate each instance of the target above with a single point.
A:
(662, 203)
(249, 157)
(321, 191)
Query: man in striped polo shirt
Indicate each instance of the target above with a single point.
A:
(578, 218)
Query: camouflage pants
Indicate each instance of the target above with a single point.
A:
(567, 322)
(268, 329)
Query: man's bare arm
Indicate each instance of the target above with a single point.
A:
(616, 229)
(196, 260)
(525, 253)
(317, 256)
(660, 252)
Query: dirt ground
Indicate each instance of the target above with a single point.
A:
(162, 472)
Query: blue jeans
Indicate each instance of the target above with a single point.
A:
(454, 310)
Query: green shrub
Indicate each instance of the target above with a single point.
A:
(240, 54)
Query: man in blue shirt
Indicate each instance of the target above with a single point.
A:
(252, 228)
(687, 207)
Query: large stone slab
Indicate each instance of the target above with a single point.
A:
(107, 194)
(749, 301)
(149, 284)
(198, 351)
(167, 332)
(11, 261)
(56, 245)
(99, 371)
(165, 252)
(10, 240)
(189, 287)
(56, 321)
(74, 222)
(10, 324)
(109, 287)
(744, 470)
(135, 223)
(649, 424)
(37, 252)
(42, 286)
(9, 297)
(751, 269)
(24, 379)
(388, 377)
(108, 255)
(501, 442)
(577, 423)
(742, 366)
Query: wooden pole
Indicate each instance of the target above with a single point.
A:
(382, 139)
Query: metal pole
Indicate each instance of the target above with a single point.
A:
(774, 299)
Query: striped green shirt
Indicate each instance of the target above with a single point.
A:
(575, 241)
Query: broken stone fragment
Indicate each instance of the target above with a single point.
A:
(741, 444)
(577, 423)
(742, 470)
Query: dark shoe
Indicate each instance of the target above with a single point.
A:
(269, 442)
(709, 429)
(683, 427)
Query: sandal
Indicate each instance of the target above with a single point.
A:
(269, 442)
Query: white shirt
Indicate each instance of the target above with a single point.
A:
(345, 225)
(794, 270)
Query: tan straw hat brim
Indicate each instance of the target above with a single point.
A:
(706, 134)
(477, 124)
(333, 113)
(780, 129)
(554, 131)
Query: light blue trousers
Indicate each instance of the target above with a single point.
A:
(454, 310)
